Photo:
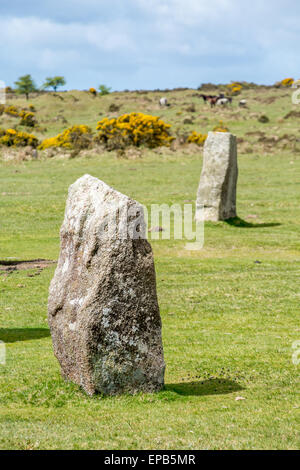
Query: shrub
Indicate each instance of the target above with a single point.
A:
(76, 137)
(287, 82)
(134, 129)
(207, 86)
(104, 90)
(13, 138)
(12, 111)
(196, 138)
(234, 88)
(93, 91)
(27, 118)
(2, 109)
(220, 127)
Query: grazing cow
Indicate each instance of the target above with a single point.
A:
(163, 102)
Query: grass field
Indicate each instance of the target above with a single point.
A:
(230, 312)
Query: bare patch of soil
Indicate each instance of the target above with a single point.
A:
(11, 265)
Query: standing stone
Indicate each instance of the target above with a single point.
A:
(216, 198)
(103, 311)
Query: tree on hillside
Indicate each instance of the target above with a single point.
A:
(54, 82)
(25, 85)
(104, 90)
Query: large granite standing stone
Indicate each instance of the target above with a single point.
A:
(216, 198)
(103, 310)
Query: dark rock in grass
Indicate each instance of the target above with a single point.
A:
(113, 108)
(103, 310)
(188, 120)
(263, 119)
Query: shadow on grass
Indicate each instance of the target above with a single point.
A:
(13, 335)
(238, 222)
(205, 387)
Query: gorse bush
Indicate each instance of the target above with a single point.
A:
(12, 111)
(27, 118)
(287, 82)
(13, 138)
(220, 127)
(135, 129)
(234, 88)
(197, 138)
(76, 137)
(93, 91)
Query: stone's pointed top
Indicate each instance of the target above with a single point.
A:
(86, 176)
(88, 179)
(113, 215)
(219, 139)
(219, 132)
(92, 183)
(220, 135)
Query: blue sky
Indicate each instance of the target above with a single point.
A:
(147, 44)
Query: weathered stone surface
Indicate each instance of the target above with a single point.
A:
(103, 311)
(216, 198)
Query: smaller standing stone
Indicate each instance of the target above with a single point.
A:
(216, 198)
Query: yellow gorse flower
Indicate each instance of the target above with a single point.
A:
(220, 127)
(234, 88)
(13, 138)
(134, 129)
(68, 138)
(287, 82)
(12, 111)
(93, 91)
(195, 138)
(27, 118)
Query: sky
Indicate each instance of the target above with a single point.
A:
(149, 44)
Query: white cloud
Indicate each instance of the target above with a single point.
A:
(42, 47)
(149, 43)
(188, 12)
(36, 32)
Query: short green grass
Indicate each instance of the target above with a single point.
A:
(230, 312)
